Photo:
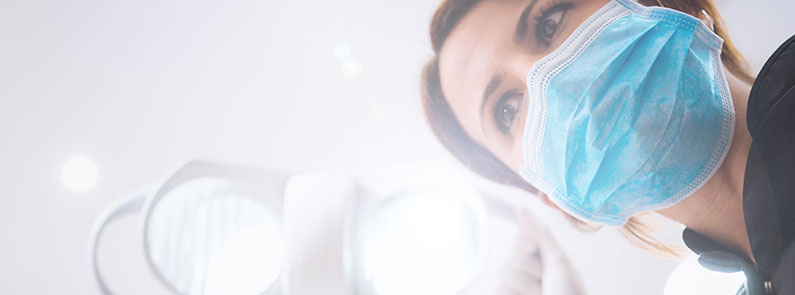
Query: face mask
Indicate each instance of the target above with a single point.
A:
(631, 113)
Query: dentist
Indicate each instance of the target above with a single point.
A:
(612, 108)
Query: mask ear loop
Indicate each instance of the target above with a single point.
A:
(703, 13)
(709, 19)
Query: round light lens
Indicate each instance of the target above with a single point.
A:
(212, 236)
(424, 242)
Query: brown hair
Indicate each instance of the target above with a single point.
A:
(477, 158)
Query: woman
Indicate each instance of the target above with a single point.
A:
(614, 108)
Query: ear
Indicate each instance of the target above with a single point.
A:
(707, 19)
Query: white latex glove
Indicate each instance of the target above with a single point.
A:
(537, 266)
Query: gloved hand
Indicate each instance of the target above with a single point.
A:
(537, 266)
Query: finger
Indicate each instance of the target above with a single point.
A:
(527, 265)
(528, 222)
(533, 231)
(526, 242)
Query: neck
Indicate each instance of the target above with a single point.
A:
(716, 210)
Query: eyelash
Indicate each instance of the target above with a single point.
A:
(501, 103)
(552, 8)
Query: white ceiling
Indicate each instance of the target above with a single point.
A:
(139, 86)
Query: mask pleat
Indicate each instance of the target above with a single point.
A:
(621, 128)
(610, 94)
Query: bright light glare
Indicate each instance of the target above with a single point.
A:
(351, 68)
(79, 174)
(425, 242)
(341, 51)
(690, 278)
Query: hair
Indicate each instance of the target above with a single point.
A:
(454, 138)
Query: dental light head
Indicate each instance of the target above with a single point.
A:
(208, 229)
(218, 229)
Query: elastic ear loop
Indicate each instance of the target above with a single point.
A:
(130, 203)
(709, 17)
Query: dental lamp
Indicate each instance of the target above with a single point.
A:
(211, 228)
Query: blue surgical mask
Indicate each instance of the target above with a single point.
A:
(631, 113)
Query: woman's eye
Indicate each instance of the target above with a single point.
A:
(549, 22)
(506, 110)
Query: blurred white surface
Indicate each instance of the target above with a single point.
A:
(138, 86)
(315, 231)
(690, 278)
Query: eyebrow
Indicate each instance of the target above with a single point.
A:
(521, 25)
(494, 83)
(496, 80)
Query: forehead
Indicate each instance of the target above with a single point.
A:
(470, 53)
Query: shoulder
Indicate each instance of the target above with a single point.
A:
(774, 84)
(768, 189)
(782, 281)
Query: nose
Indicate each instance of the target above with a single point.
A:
(519, 65)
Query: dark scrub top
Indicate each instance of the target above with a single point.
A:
(769, 185)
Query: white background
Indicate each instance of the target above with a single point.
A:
(140, 86)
